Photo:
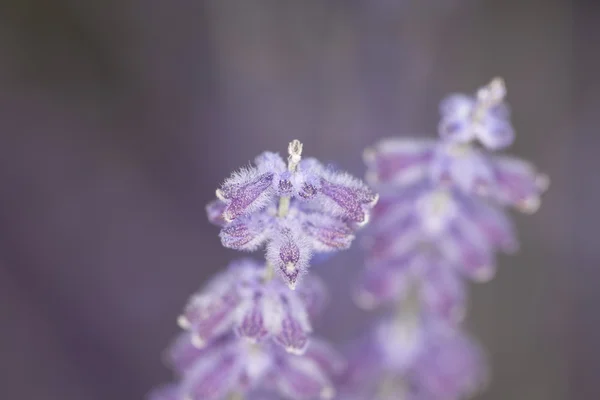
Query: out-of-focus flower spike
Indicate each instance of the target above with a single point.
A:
(455, 125)
(301, 378)
(452, 366)
(348, 197)
(291, 327)
(247, 233)
(517, 183)
(398, 161)
(246, 191)
(327, 233)
(289, 252)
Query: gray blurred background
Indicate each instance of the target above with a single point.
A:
(119, 118)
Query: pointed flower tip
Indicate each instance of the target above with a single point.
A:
(369, 155)
(529, 205)
(219, 194)
(183, 322)
(542, 181)
(198, 342)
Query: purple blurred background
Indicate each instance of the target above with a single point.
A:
(119, 118)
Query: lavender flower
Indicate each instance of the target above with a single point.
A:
(234, 365)
(243, 300)
(295, 211)
(246, 333)
(440, 219)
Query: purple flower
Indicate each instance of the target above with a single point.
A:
(295, 212)
(233, 365)
(483, 117)
(243, 300)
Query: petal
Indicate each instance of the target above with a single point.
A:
(462, 166)
(398, 161)
(247, 233)
(493, 223)
(381, 284)
(495, 132)
(250, 318)
(456, 129)
(458, 105)
(517, 183)
(347, 196)
(465, 248)
(213, 375)
(327, 233)
(182, 353)
(210, 312)
(289, 323)
(451, 366)
(306, 180)
(166, 392)
(443, 292)
(301, 378)
(246, 191)
(289, 252)
(215, 210)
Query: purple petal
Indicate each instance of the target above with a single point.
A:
(291, 327)
(251, 318)
(493, 223)
(348, 197)
(463, 166)
(465, 247)
(213, 375)
(398, 161)
(211, 312)
(245, 233)
(306, 180)
(382, 284)
(182, 354)
(518, 183)
(495, 132)
(300, 378)
(215, 210)
(452, 366)
(327, 233)
(457, 105)
(289, 252)
(246, 191)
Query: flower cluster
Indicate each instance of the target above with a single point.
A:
(246, 333)
(295, 211)
(441, 218)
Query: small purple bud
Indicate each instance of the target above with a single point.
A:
(327, 233)
(215, 210)
(292, 329)
(348, 197)
(289, 252)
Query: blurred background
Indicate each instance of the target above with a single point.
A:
(119, 118)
